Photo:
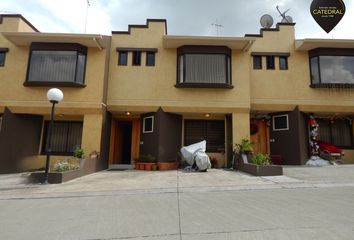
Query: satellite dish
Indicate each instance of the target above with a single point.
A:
(266, 21)
(287, 19)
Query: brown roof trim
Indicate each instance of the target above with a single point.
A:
(4, 49)
(18, 16)
(276, 29)
(130, 26)
(119, 49)
(277, 54)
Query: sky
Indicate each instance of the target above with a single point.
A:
(184, 17)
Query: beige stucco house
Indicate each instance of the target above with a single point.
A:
(143, 91)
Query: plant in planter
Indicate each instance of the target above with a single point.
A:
(147, 162)
(261, 159)
(78, 152)
(242, 151)
(65, 165)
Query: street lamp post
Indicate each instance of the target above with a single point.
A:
(54, 96)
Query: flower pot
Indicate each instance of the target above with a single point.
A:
(148, 166)
(137, 166)
(163, 166)
(141, 166)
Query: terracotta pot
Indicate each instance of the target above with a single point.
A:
(137, 165)
(163, 166)
(148, 166)
(141, 166)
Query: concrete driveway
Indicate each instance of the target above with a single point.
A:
(306, 203)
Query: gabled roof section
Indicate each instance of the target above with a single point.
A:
(276, 29)
(310, 44)
(17, 16)
(142, 26)
(236, 43)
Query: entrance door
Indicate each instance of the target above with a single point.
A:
(123, 142)
(259, 136)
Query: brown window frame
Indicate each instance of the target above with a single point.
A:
(260, 62)
(136, 58)
(270, 59)
(147, 63)
(286, 63)
(3, 52)
(120, 58)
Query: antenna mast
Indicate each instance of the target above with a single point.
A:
(217, 26)
(87, 6)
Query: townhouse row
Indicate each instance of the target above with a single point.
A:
(143, 91)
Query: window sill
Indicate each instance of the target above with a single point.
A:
(53, 84)
(204, 85)
(332, 85)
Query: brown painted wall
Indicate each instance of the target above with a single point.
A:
(170, 135)
(19, 138)
(290, 144)
(149, 141)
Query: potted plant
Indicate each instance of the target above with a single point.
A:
(168, 164)
(78, 152)
(242, 152)
(147, 162)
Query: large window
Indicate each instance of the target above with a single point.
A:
(56, 64)
(204, 66)
(332, 67)
(66, 136)
(338, 132)
(213, 131)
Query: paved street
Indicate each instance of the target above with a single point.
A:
(306, 203)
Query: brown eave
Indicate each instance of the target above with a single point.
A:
(236, 43)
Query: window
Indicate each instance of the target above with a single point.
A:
(204, 66)
(123, 58)
(63, 65)
(136, 58)
(280, 122)
(332, 70)
(148, 124)
(213, 131)
(150, 58)
(338, 132)
(270, 62)
(257, 62)
(3, 52)
(66, 136)
(283, 63)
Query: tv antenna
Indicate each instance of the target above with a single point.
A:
(285, 18)
(217, 26)
(266, 21)
(87, 7)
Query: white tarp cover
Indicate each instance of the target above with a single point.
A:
(195, 153)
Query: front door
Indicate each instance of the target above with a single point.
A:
(259, 136)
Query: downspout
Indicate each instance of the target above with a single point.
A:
(248, 46)
(97, 43)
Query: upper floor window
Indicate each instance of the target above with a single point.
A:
(123, 58)
(204, 66)
(3, 52)
(60, 64)
(257, 62)
(136, 58)
(283, 63)
(270, 62)
(331, 67)
(150, 58)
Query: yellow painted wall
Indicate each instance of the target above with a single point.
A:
(284, 89)
(240, 127)
(150, 87)
(91, 134)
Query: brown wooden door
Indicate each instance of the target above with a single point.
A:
(259, 136)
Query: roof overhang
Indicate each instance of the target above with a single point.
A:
(235, 43)
(309, 44)
(26, 38)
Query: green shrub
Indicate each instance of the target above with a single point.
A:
(147, 158)
(78, 152)
(244, 147)
(261, 159)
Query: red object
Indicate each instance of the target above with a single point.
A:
(327, 147)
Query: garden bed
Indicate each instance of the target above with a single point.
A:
(56, 177)
(261, 170)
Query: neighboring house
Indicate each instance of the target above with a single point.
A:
(31, 63)
(146, 92)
